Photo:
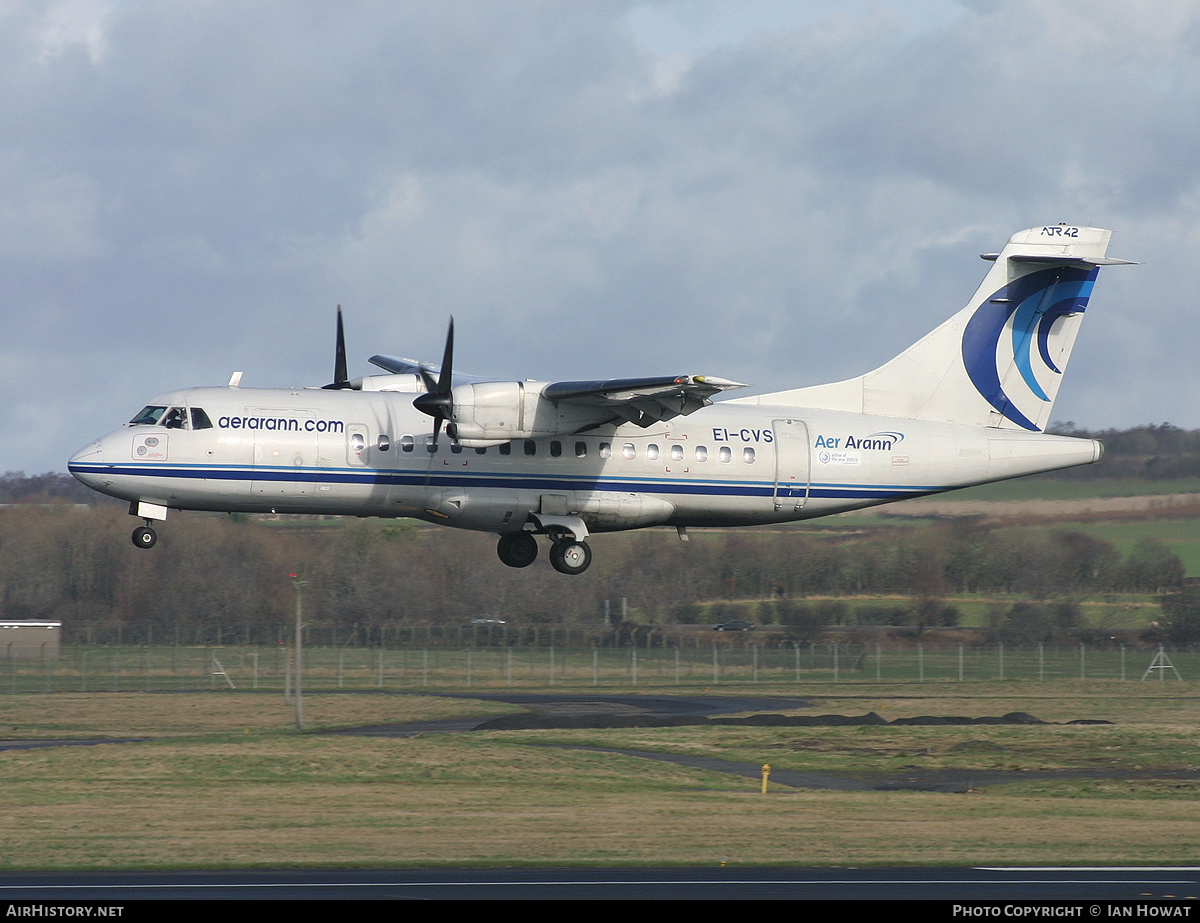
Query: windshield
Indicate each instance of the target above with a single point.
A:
(148, 416)
(172, 417)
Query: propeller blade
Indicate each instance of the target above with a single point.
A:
(438, 402)
(340, 380)
(444, 374)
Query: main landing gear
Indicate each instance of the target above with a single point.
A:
(517, 549)
(567, 556)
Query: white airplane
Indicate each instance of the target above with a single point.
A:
(965, 405)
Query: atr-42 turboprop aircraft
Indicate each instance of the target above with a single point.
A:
(965, 405)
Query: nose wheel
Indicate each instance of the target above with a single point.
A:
(144, 537)
(568, 556)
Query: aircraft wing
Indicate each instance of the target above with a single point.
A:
(643, 401)
(429, 371)
(399, 366)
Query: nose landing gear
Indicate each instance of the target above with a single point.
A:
(144, 536)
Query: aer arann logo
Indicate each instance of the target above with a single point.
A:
(1013, 329)
(882, 442)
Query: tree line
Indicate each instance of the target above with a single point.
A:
(1153, 452)
(62, 561)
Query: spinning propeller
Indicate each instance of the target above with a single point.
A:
(438, 401)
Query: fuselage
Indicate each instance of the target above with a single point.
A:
(966, 404)
(364, 453)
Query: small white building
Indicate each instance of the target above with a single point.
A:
(29, 639)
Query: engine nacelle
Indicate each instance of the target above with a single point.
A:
(493, 412)
(411, 384)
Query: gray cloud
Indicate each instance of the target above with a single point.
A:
(591, 188)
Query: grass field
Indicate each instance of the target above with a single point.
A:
(223, 780)
(1181, 536)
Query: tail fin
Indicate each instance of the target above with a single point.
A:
(1000, 360)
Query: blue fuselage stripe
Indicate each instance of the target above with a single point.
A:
(441, 479)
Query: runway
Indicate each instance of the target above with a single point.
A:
(1090, 889)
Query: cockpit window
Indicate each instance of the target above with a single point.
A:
(148, 416)
(172, 417)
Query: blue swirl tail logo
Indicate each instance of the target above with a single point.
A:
(1034, 303)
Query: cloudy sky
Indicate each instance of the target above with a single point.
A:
(783, 193)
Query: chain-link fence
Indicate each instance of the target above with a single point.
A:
(704, 662)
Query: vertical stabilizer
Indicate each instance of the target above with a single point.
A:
(1000, 360)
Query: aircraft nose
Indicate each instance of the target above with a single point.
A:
(90, 454)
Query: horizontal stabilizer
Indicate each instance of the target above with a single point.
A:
(1048, 259)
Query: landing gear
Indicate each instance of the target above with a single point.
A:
(569, 553)
(144, 537)
(569, 556)
(147, 512)
(517, 549)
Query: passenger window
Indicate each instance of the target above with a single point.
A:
(676, 453)
(200, 419)
(456, 448)
(506, 448)
(430, 445)
(481, 450)
(605, 450)
(530, 447)
(725, 454)
(384, 443)
(555, 449)
(652, 452)
(701, 453)
(407, 443)
(581, 450)
(748, 456)
(628, 450)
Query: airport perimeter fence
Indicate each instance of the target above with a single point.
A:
(416, 668)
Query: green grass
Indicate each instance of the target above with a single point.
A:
(226, 782)
(1181, 536)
